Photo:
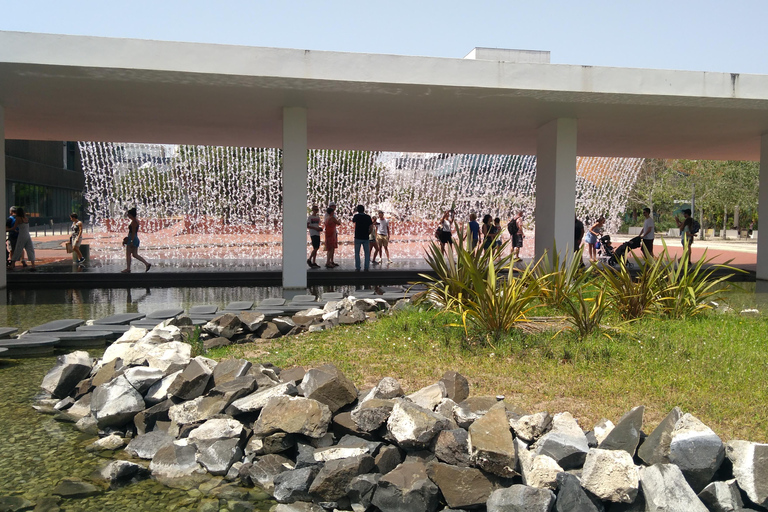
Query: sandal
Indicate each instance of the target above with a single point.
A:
(126, 271)
(149, 265)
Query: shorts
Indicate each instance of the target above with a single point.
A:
(315, 241)
(382, 240)
(445, 237)
(517, 241)
(590, 239)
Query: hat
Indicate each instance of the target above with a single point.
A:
(331, 204)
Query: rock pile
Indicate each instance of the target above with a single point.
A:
(314, 441)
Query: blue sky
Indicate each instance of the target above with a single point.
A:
(705, 35)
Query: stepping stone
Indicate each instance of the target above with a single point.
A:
(199, 321)
(5, 332)
(147, 323)
(364, 294)
(239, 306)
(119, 319)
(3, 349)
(68, 324)
(30, 346)
(391, 296)
(203, 310)
(116, 329)
(270, 303)
(392, 289)
(205, 318)
(82, 339)
(333, 296)
(164, 314)
(304, 298)
(269, 314)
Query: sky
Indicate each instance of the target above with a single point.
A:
(701, 35)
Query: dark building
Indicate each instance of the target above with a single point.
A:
(45, 178)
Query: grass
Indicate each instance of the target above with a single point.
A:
(712, 366)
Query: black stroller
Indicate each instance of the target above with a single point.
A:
(611, 256)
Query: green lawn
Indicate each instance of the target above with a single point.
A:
(713, 366)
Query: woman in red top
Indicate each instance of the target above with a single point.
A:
(331, 241)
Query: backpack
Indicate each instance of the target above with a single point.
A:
(512, 227)
(695, 227)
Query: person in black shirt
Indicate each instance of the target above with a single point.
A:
(363, 229)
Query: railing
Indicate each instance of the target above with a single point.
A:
(59, 228)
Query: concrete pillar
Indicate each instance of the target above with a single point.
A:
(3, 207)
(294, 198)
(556, 186)
(762, 212)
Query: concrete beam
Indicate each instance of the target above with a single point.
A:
(762, 211)
(3, 207)
(294, 198)
(555, 186)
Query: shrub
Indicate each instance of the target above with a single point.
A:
(556, 281)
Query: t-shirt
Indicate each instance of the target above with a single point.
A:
(648, 228)
(383, 228)
(10, 223)
(314, 221)
(474, 228)
(363, 224)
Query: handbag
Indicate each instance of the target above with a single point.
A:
(126, 241)
(68, 246)
(437, 232)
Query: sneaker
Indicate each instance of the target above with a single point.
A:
(81, 260)
(309, 263)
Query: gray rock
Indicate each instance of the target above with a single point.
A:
(142, 377)
(461, 487)
(332, 480)
(571, 496)
(120, 471)
(218, 455)
(655, 447)
(372, 414)
(388, 458)
(329, 386)
(191, 382)
(88, 425)
(218, 428)
(158, 392)
(413, 427)
(429, 396)
(456, 386)
(601, 431)
(115, 403)
(251, 320)
(169, 356)
(263, 470)
(217, 342)
(452, 447)
(293, 415)
(565, 442)
(110, 442)
(299, 506)
(696, 450)
(15, 503)
(611, 475)
(295, 374)
(225, 325)
(147, 445)
(293, 485)
(106, 371)
(229, 370)
(750, 467)
(74, 488)
(274, 443)
(177, 460)
(491, 446)
(473, 408)
(666, 490)
(387, 388)
(256, 401)
(47, 504)
(537, 470)
(199, 409)
(284, 324)
(82, 407)
(532, 426)
(145, 420)
(407, 488)
(626, 434)
(360, 491)
(69, 370)
(520, 498)
(722, 497)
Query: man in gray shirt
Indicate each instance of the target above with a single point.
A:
(647, 233)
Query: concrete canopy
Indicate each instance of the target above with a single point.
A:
(56, 87)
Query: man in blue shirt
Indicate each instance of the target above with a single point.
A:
(13, 233)
(474, 229)
(363, 230)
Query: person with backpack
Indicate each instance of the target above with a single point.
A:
(515, 228)
(686, 231)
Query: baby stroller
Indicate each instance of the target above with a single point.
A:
(612, 256)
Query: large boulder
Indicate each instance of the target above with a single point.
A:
(332, 480)
(456, 386)
(372, 414)
(520, 498)
(69, 370)
(722, 497)
(229, 370)
(696, 450)
(329, 386)
(611, 475)
(750, 467)
(407, 488)
(491, 446)
(120, 471)
(263, 470)
(143, 377)
(571, 496)
(461, 487)
(251, 320)
(225, 325)
(565, 442)
(531, 426)
(218, 455)
(145, 446)
(293, 485)
(666, 490)
(452, 447)
(655, 447)
(360, 491)
(469, 409)
(413, 427)
(158, 392)
(116, 403)
(537, 470)
(256, 401)
(199, 409)
(191, 382)
(146, 420)
(177, 460)
(626, 434)
(169, 356)
(293, 415)
(429, 396)
(273, 443)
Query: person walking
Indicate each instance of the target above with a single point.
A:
(314, 229)
(578, 234)
(486, 230)
(330, 224)
(76, 237)
(24, 240)
(686, 232)
(445, 229)
(474, 230)
(13, 235)
(382, 238)
(648, 231)
(363, 229)
(515, 228)
(132, 242)
(592, 236)
(495, 233)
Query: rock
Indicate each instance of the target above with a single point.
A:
(520, 498)
(626, 435)
(299, 506)
(225, 325)
(81, 407)
(219, 428)
(256, 401)
(665, 490)
(166, 356)
(611, 475)
(69, 370)
(532, 426)
(329, 386)
(452, 447)
(565, 442)
(294, 375)
(360, 491)
(342, 425)
(293, 415)
(445, 408)
(229, 370)
(284, 324)
(177, 460)
(217, 342)
(491, 446)
(407, 488)
(413, 427)
(387, 388)
(537, 470)
(332, 480)
(274, 443)
(601, 431)
(696, 450)
(293, 485)
(106, 371)
(120, 471)
(191, 382)
(461, 487)
(110, 442)
(47, 504)
(142, 377)
(218, 455)
(88, 425)
(164, 332)
(145, 420)
(263, 470)
(132, 335)
(456, 386)
(388, 458)
(750, 467)
(74, 488)
(571, 496)
(428, 397)
(15, 503)
(722, 497)
(655, 447)
(372, 414)
(147, 445)
(472, 408)
(234, 389)
(115, 403)
(158, 392)
(251, 320)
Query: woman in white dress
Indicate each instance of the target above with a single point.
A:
(24, 242)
